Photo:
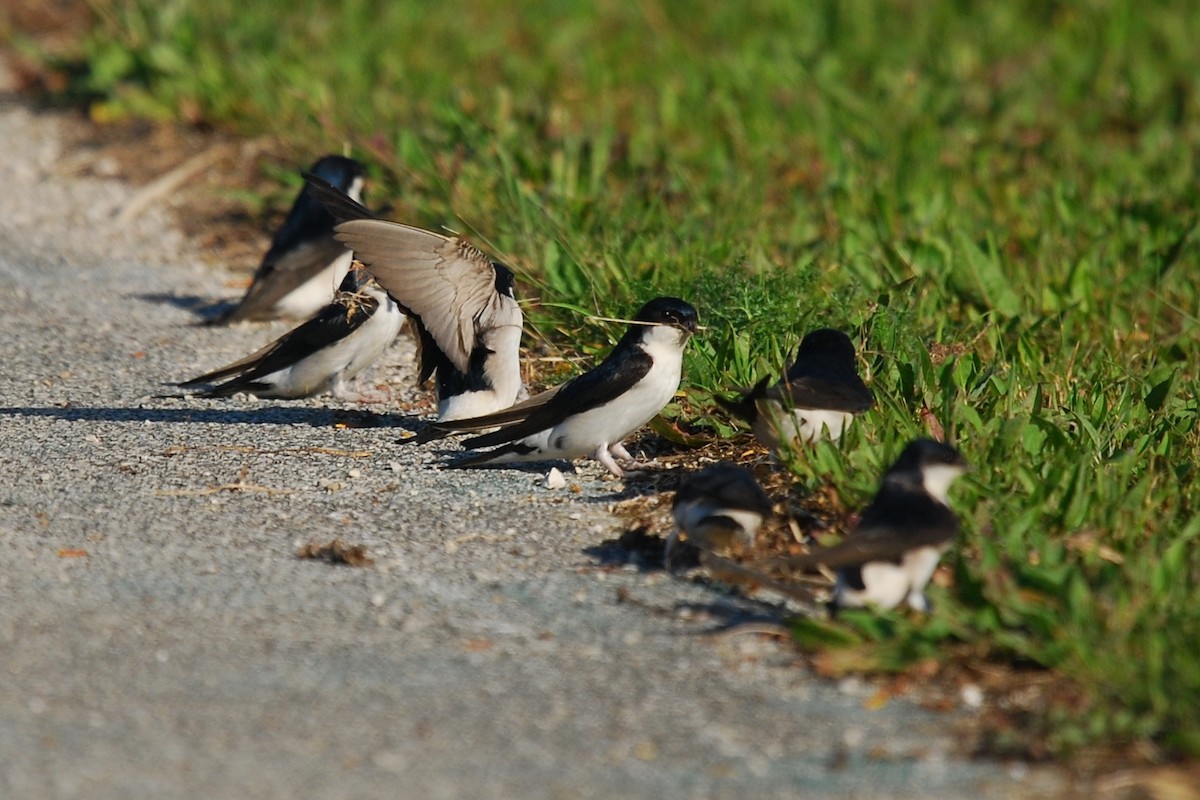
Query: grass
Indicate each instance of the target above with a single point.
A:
(998, 199)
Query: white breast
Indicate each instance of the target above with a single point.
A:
(315, 293)
(887, 585)
(348, 357)
(502, 370)
(801, 425)
(582, 434)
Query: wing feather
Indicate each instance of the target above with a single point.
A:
(445, 281)
(886, 532)
(448, 283)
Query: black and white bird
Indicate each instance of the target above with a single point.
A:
(305, 264)
(891, 554)
(322, 354)
(717, 509)
(592, 413)
(818, 398)
(461, 304)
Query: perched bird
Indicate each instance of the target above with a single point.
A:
(818, 398)
(592, 413)
(341, 340)
(891, 554)
(461, 304)
(305, 265)
(719, 508)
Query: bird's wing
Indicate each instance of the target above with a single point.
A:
(514, 413)
(834, 394)
(341, 206)
(615, 376)
(727, 487)
(448, 283)
(281, 272)
(886, 532)
(332, 323)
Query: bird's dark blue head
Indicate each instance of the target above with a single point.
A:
(338, 170)
(669, 311)
(826, 343)
(308, 220)
(504, 280)
(927, 462)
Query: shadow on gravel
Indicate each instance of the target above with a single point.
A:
(730, 609)
(643, 483)
(635, 546)
(206, 308)
(272, 415)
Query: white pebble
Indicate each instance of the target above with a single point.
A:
(972, 696)
(555, 479)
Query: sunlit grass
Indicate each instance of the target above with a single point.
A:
(998, 200)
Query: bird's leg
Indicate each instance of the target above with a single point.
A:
(605, 458)
(341, 390)
(917, 601)
(618, 450)
(669, 548)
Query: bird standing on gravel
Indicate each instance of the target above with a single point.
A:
(819, 396)
(306, 264)
(592, 413)
(891, 554)
(321, 355)
(460, 301)
(717, 509)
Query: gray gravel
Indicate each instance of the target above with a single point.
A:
(189, 653)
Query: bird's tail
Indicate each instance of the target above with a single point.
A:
(745, 406)
(501, 455)
(429, 434)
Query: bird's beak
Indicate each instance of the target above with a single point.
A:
(692, 327)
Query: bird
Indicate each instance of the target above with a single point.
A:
(322, 354)
(818, 398)
(717, 509)
(592, 413)
(890, 555)
(305, 263)
(461, 303)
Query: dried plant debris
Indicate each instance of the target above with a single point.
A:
(335, 551)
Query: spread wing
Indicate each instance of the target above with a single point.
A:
(615, 376)
(446, 282)
(449, 284)
(333, 323)
(896, 522)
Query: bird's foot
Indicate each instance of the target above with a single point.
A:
(629, 464)
(605, 457)
(363, 396)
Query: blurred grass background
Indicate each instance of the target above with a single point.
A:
(999, 200)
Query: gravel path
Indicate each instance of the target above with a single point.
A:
(161, 638)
